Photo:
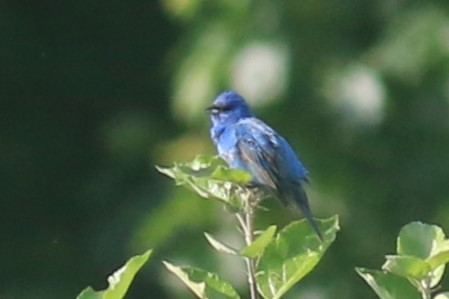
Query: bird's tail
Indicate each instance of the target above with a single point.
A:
(302, 202)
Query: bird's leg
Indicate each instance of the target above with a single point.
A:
(247, 223)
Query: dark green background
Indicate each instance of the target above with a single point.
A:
(90, 100)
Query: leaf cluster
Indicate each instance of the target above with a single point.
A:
(209, 177)
(416, 269)
(282, 258)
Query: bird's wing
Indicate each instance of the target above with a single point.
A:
(262, 152)
(273, 163)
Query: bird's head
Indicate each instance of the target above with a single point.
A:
(229, 107)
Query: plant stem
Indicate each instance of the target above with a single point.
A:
(247, 224)
(426, 289)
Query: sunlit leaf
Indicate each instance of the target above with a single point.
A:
(203, 284)
(237, 176)
(219, 246)
(257, 247)
(413, 268)
(420, 240)
(436, 275)
(119, 281)
(389, 286)
(89, 293)
(294, 252)
(423, 252)
(438, 259)
(209, 177)
(444, 295)
(407, 266)
(427, 242)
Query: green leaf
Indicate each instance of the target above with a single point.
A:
(237, 176)
(426, 242)
(119, 281)
(389, 286)
(436, 275)
(438, 262)
(201, 166)
(420, 240)
(407, 266)
(203, 284)
(204, 161)
(209, 177)
(257, 247)
(413, 268)
(294, 252)
(219, 246)
(89, 293)
(438, 259)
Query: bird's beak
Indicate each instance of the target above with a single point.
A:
(212, 109)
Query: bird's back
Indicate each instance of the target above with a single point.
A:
(254, 146)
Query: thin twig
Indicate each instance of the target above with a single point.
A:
(242, 223)
(247, 224)
(426, 289)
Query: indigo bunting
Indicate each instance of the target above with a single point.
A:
(245, 142)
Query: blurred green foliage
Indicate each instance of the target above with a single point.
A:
(93, 93)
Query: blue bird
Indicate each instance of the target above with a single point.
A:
(245, 142)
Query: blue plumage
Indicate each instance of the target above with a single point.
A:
(246, 142)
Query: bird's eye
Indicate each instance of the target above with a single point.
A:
(216, 109)
(225, 108)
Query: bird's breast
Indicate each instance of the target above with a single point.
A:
(227, 149)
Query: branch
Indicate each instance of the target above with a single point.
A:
(246, 222)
